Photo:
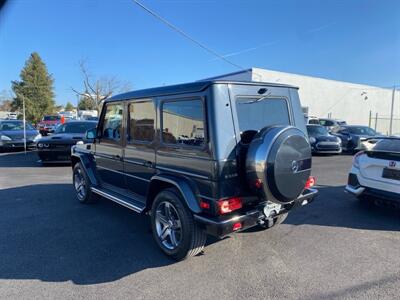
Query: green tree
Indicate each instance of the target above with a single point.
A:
(87, 103)
(69, 106)
(35, 88)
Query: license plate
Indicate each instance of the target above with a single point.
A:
(391, 174)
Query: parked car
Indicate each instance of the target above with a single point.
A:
(331, 123)
(375, 173)
(57, 147)
(355, 138)
(312, 120)
(48, 124)
(323, 142)
(245, 159)
(12, 134)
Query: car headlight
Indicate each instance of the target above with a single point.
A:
(39, 136)
(312, 140)
(40, 145)
(5, 138)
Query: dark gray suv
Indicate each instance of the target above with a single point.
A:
(209, 157)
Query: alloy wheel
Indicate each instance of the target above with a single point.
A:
(168, 225)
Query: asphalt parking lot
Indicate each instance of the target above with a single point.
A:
(55, 248)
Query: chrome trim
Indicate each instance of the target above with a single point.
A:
(117, 200)
(122, 173)
(355, 191)
(134, 162)
(111, 170)
(137, 177)
(208, 198)
(182, 172)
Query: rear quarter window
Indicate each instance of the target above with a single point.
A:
(183, 123)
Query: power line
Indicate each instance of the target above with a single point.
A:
(187, 36)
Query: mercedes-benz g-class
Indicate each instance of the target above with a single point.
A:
(209, 157)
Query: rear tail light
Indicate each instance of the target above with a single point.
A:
(311, 181)
(237, 226)
(356, 159)
(228, 205)
(204, 204)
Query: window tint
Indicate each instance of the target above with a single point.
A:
(326, 123)
(141, 121)
(112, 122)
(257, 113)
(316, 130)
(75, 127)
(390, 145)
(183, 123)
(313, 121)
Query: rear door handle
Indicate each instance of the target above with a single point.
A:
(117, 157)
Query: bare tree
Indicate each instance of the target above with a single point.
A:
(96, 90)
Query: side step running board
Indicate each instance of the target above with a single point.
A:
(117, 199)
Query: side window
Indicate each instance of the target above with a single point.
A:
(183, 123)
(142, 117)
(112, 123)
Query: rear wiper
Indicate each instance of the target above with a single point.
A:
(256, 100)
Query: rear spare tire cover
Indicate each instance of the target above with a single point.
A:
(278, 163)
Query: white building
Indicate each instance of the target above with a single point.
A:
(355, 103)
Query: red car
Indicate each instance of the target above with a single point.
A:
(49, 124)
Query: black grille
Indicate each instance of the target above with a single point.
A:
(328, 147)
(353, 180)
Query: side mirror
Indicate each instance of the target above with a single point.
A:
(91, 134)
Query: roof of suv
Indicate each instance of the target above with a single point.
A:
(192, 87)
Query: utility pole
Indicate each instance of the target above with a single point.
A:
(391, 111)
(23, 111)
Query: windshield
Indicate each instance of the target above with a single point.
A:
(361, 130)
(51, 118)
(255, 113)
(316, 130)
(75, 127)
(14, 126)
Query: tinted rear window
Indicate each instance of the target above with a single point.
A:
(51, 118)
(389, 145)
(256, 113)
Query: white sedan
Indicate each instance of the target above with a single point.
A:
(376, 173)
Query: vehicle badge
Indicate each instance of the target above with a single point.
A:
(392, 163)
(295, 166)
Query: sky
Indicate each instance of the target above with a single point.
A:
(348, 40)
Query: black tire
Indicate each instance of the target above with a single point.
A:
(191, 237)
(84, 194)
(276, 221)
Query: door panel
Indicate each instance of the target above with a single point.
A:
(139, 159)
(109, 151)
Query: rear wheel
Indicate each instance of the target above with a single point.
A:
(82, 185)
(174, 228)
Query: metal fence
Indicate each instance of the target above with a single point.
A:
(382, 123)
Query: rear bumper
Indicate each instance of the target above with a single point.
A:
(357, 188)
(223, 225)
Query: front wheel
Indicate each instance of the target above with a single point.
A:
(174, 228)
(82, 185)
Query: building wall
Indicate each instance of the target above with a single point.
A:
(340, 100)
